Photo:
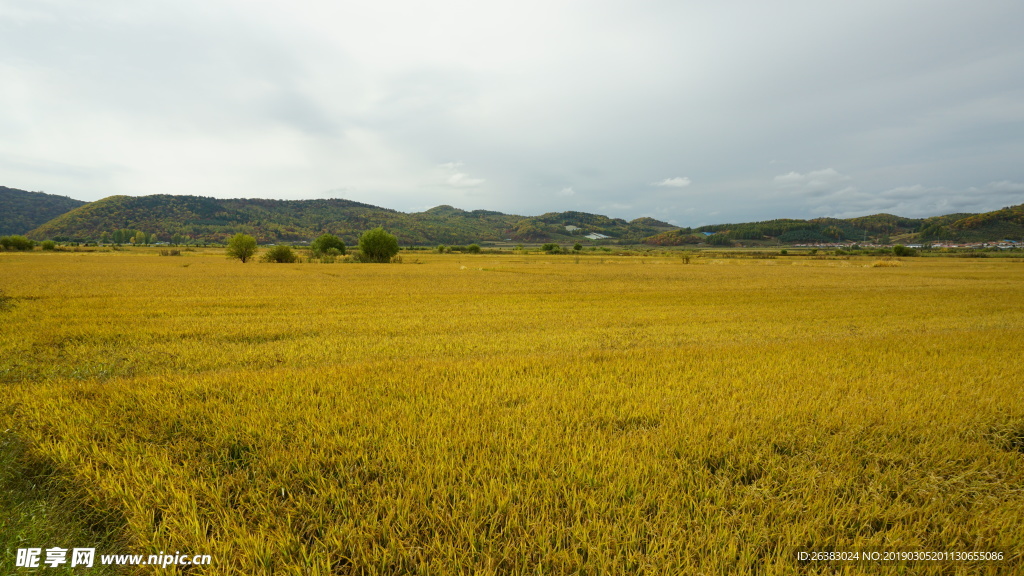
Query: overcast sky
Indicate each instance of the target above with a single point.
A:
(693, 112)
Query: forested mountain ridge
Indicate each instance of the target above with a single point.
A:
(270, 221)
(21, 211)
(197, 218)
(1007, 223)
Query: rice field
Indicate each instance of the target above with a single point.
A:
(520, 414)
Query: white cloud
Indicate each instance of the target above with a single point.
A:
(567, 191)
(814, 180)
(676, 182)
(455, 178)
(461, 180)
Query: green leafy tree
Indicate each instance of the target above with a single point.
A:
(577, 246)
(473, 248)
(378, 246)
(105, 237)
(551, 248)
(118, 237)
(139, 238)
(48, 245)
(241, 246)
(325, 242)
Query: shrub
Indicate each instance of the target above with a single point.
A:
(328, 242)
(16, 243)
(241, 246)
(551, 248)
(280, 255)
(48, 245)
(900, 250)
(170, 253)
(473, 249)
(378, 246)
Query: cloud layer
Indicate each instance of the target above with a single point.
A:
(769, 111)
(676, 182)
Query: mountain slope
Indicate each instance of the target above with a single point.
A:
(22, 211)
(1007, 223)
(270, 221)
(214, 220)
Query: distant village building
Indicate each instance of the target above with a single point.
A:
(571, 228)
(596, 236)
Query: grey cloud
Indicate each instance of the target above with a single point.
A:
(916, 200)
(1004, 186)
(861, 107)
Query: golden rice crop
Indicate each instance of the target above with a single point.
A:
(524, 414)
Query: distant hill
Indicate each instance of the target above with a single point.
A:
(22, 211)
(214, 220)
(1004, 224)
(1007, 223)
(270, 221)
